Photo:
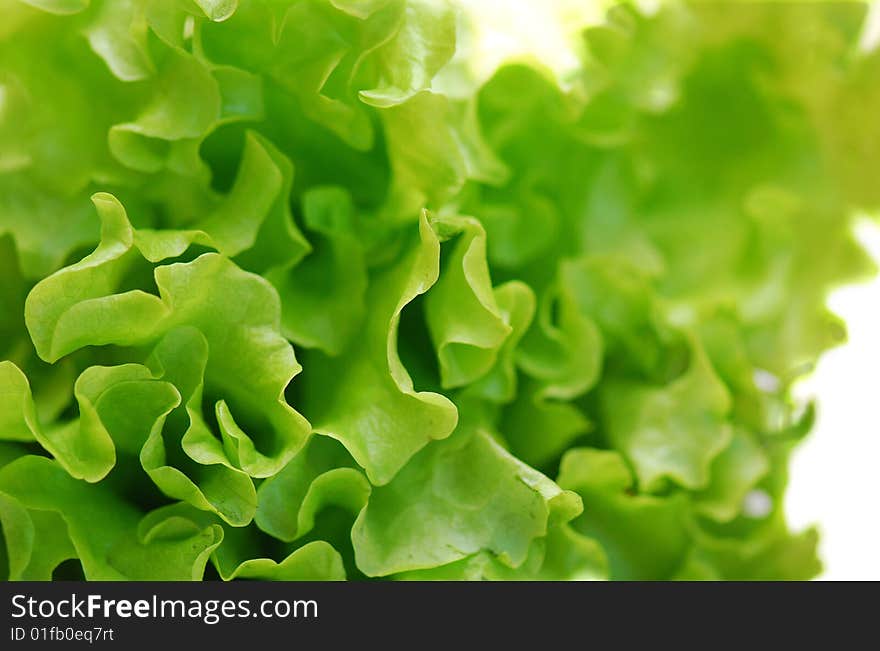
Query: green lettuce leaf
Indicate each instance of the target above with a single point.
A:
(365, 398)
(454, 499)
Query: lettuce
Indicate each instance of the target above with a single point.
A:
(288, 291)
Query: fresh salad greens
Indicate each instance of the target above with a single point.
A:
(287, 292)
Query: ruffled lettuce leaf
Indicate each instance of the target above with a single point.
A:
(365, 398)
(643, 535)
(454, 499)
(322, 297)
(103, 529)
(463, 316)
(77, 307)
(671, 432)
(237, 554)
(321, 476)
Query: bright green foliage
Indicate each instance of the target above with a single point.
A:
(274, 305)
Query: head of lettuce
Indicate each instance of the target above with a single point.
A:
(287, 292)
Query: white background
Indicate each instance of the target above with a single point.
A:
(835, 474)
